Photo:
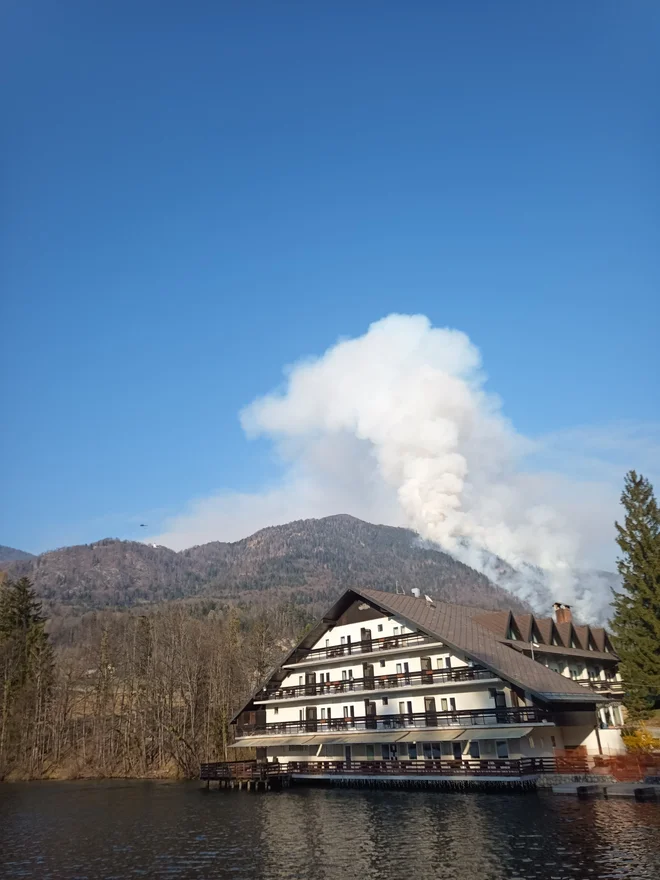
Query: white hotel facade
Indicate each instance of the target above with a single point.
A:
(398, 684)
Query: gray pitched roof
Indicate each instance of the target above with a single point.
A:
(454, 625)
(478, 633)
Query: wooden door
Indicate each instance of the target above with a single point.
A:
(365, 637)
(368, 676)
(310, 719)
(431, 712)
(427, 670)
(310, 683)
(371, 721)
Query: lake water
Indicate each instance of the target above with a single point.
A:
(76, 830)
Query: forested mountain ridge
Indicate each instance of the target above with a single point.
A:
(308, 561)
(11, 554)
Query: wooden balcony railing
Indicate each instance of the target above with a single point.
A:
(408, 720)
(377, 682)
(603, 685)
(241, 770)
(498, 767)
(366, 646)
(438, 767)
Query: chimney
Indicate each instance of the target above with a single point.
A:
(562, 612)
(416, 592)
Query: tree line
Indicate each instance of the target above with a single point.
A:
(126, 693)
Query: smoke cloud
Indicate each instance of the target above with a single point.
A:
(396, 426)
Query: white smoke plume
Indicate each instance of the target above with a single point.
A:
(396, 426)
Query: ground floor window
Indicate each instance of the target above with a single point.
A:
(412, 751)
(474, 749)
(370, 753)
(502, 748)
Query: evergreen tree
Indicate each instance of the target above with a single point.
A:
(26, 668)
(636, 622)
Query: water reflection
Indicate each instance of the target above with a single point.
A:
(130, 830)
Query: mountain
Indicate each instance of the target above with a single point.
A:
(309, 561)
(10, 554)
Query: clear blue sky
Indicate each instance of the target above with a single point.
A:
(195, 194)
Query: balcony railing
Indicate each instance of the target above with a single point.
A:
(507, 767)
(366, 646)
(377, 682)
(599, 684)
(435, 767)
(405, 721)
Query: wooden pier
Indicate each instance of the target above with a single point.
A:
(248, 775)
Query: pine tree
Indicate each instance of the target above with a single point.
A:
(26, 669)
(636, 622)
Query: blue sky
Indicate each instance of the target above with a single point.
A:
(196, 195)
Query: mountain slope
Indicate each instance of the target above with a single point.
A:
(11, 554)
(307, 560)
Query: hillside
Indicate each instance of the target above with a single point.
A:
(11, 554)
(308, 561)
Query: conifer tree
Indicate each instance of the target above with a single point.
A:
(26, 668)
(636, 621)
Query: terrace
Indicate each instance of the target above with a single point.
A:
(377, 683)
(463, 718)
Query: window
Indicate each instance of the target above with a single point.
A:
(474, 748)
(343, 640)
(436, 751)
(329, 714)
(301, 679)
(327, 643)
(322, 713)
(380, 627)
(276, 711)
(428, 751)
(344, 674)
(402, 708)
(385, 751)
(370, 753)
(502, 748)
(300, 715)
(385, 701)
(382, 663)
(346, 712)
(412, 751)
(446, 749)
(448, 662)
(443, 704)
(452, 704)
(410, 712)
(399, 669)
(395, 631)
(439, 663)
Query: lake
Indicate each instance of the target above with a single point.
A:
(119, 829)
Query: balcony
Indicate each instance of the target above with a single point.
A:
(405, 721)
(366, 646)
(605, 686)
(378, 683)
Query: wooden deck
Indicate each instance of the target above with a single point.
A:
(253, 775)
(250, 775)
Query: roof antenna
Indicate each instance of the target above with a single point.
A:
(396, 587)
